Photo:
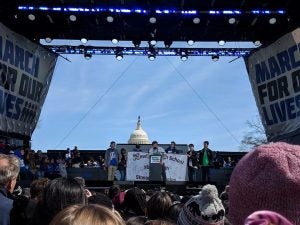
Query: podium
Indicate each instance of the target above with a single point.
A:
(155, 167)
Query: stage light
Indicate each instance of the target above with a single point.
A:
(110, 19)
(136, 43)
(72, 18)
(257, 43)
(215, 58)
(84, 40)
(31, 17)
(87, 56)
(196, 20)
(119, 56)
(221, 42)
(183, 56)
(115, 41)
(153, 42)
(168, 43)
(48, 39)
(232, 20)
(151, 56)
(272, 20)
(152, 20)
(190, 42)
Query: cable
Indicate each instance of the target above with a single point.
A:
(203, 102)
(94, 105)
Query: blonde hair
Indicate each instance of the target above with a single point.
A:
(87, 215)
(9, 168)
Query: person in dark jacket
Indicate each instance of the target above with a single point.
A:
(9, 171)
(192, 163)
(205, 161)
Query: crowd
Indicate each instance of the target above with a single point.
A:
(264, 189)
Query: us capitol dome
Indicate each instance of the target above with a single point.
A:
(138, 136)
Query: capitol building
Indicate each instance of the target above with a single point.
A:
(139, 136)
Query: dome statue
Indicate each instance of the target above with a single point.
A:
(138, 136)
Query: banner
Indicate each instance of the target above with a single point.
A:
(138, 166)
(274, 73)
(26, 71)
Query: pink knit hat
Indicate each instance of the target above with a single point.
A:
(266, 218)
(267, 178)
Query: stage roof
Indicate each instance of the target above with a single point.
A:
(176, 20)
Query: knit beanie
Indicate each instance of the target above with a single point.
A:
(267, 178)
(203, 209)
(266, 218)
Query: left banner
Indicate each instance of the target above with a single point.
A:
(26, 71)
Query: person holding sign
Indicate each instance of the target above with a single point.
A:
(157, 150)
(111, 160)
(205, 161)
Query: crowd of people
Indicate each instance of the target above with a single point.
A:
(264, 189)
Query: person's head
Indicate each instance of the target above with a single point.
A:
(267, 178)
(136, 220)
(80, 180)
(135, 200)
(9, 171)
(113, 191)
(191, 147)
(154, 144)
(173, 144)
(158, 205)
(123, 151)
(62, 192)
(205, 144)
(137, 146)
(37, 188)
(112, 144)
(87, 215)
(203, 209)
(174, 211)
(101, 199)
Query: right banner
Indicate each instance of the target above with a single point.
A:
(274, 74)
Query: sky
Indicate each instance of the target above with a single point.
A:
(92, 102)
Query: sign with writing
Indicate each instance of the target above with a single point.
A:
(274, 73)
(138, 166)
(26, 71)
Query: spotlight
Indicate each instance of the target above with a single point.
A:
(232, 20)
(119, 56)
(48, 39)
(136, 43)
(152, 19)
(215, 57)
(190, 42)
(72, 18)
(152, 42)
(31, 17)
(115, 41)
(221, 42)
(110, 19)
(183, 56)
(257, 43)
(168, 43)
(84, 40)
(196, 20)
(87, 56)
(272, 20)
(151, 56)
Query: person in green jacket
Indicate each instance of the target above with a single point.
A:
(205, 161)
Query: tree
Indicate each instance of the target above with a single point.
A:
(255, 137)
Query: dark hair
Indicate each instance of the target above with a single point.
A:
(137, 146)
(101, 199)
(173, 142)
(113, 191)
(62, 192)
(112, 142)
(37, 188)
(206, 142)
(135, 200)
(158, 205)
(136, 220)
(154, 142)
(174, 211)
(80, 180)
(191, 145)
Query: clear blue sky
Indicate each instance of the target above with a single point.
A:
(213, 97)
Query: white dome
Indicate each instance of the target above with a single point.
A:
(138, 136)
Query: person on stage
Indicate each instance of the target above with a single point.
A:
(192, 163)
(205, 161)
(122, 164)
(111, 160)
(172, 148)
(156, 149)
